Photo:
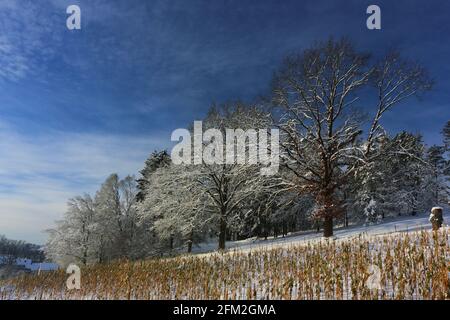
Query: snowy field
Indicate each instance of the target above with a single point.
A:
(397, 265)
(411, 265)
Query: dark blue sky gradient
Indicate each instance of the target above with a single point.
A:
(148, 66)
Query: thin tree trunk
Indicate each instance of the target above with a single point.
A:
(222, 233)
(171, 242)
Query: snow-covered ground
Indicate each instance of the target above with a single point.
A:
(389, 225)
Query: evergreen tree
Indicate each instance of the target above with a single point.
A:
(446, 134)
(394, 183)
(157, 159)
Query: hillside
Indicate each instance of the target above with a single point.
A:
(389, 226)
(399, 259)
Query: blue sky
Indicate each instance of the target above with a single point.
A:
(76, 106)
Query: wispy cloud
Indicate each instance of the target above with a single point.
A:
(26, 27)
(13, 64)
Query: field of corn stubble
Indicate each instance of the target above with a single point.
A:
(411, 266)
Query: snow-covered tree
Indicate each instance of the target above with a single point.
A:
(74, 240)
(185, 198)
(175, 209)
(99, 229)
(229, 187)
(436, 183)
(394, 183)
(116, 216)
(315, 93)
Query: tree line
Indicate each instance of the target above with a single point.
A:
(10, 250)
(338, 165)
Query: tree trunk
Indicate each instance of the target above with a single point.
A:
(171, 242)
(85, 255)
(222, 233)
(328, 226)
(190, 241)
(329, 209)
